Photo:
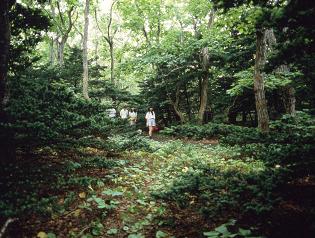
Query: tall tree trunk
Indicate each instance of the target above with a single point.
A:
(287, 91)
(53, 42)
(61, 48)
(63, 28)
(158, 32)
(5, 35)
(96, 52)
(109, 37)
(85, 51)
(112, 62)
(289, 100)
(7, 149)
(203, 96)
(259, 90)
(188, 103)
(51, 52)
(205, 78)
(233, 111)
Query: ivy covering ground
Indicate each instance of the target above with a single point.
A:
(136, 187)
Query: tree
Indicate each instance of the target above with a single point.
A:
(205, 77)
(64, 17)
(259, 88)
(293, 23)
(260, 58)
(5, 35)
(109, 36)
(15, 44)
(85, 51)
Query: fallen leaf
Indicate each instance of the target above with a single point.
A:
(82, 195)
(77, 212)
(42, 234)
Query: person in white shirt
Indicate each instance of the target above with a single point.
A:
(133, 117)
(111, 113)
(124, 113)
(150, 117)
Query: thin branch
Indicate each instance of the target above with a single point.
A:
(110, 20)
(145, 33)
(5, 226)
(60, 13)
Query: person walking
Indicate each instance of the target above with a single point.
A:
(150, 117)
(111, 113)
(133, 116)
(123, 113)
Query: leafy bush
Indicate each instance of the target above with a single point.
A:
(216, 192)
(229, 230)
(47, 112)
(291, 139)
(129, 141)
(211, 130)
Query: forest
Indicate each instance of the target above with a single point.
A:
(157, 118)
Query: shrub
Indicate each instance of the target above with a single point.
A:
(48, 112)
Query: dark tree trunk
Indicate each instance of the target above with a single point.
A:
(205, 78)
(7, 150)
(259, 90)
(51, 52)
(244, 117)
(232, 113)
(203, 97)
(288, 93)
(61, 49)
(5, 35)
(188, 103)
(289, 100)
(232, 117)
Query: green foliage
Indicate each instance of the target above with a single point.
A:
(46, 111)
(129, 141)
(212, 130)
(216, 192)
(27, 23)
(273, 82)
(224, 231)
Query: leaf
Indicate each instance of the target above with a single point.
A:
(113, 193)
(135, 236)
(112, 231)
(77, 212)
(90, 187)
(42, 234)
(244, 232)
(51, 235)
(160, 234)
(211, 234)
(82, 195)
(223, 230)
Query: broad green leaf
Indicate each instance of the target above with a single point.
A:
(222, 229)
(112, 231)
(160, 234)
(244, 232)
(51, 235)
(211, 234)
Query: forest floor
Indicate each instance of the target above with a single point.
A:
(88, 192)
